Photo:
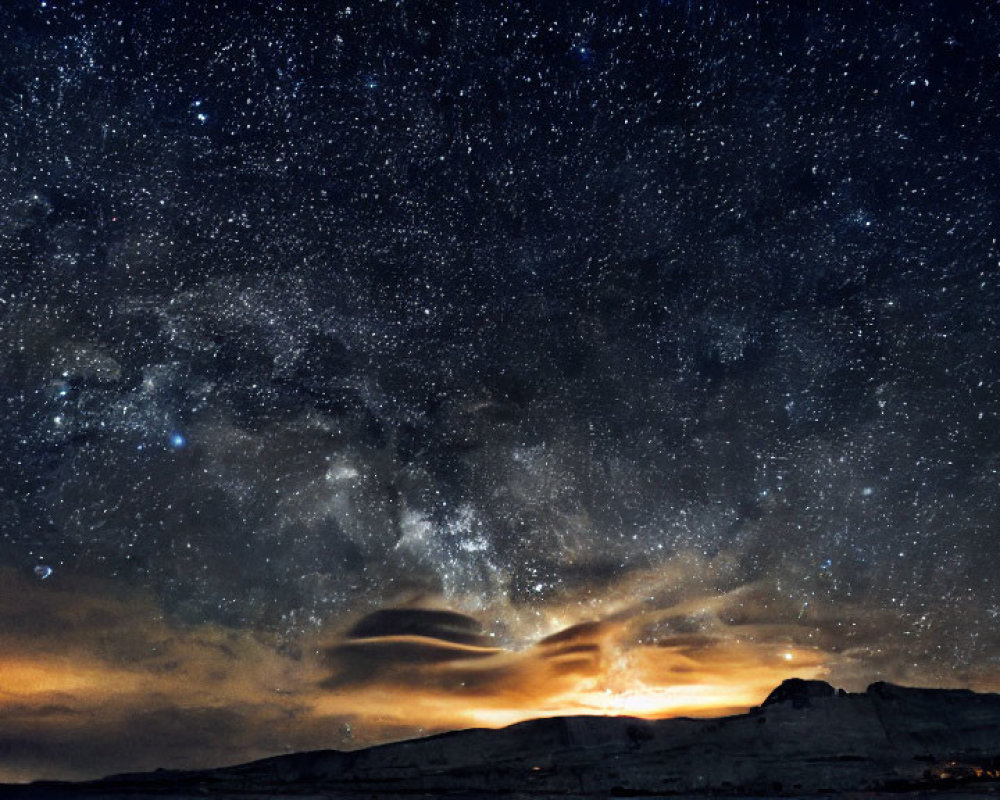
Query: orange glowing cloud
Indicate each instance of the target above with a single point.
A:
(395, 678)
(94, 679)
(22, 678)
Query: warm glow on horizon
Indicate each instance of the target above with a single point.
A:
(21, 678)
(472, 686)
(707, 678)
(418, 669)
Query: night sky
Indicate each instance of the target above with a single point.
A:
(377, 369)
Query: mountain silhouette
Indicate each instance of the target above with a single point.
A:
(805, 739)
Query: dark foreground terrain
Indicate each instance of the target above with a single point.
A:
(805, 740)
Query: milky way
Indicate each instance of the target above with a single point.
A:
(669, 329)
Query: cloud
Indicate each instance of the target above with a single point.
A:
(448, 626)
(589, 667)
(97, 678)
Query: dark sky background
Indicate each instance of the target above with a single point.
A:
(350, 351)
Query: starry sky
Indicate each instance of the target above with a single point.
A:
(382, 368)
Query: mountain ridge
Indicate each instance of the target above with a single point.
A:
(805, 738)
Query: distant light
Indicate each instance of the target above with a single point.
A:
(177, 441)
(788, 656)
(202, 117)
(42, 571)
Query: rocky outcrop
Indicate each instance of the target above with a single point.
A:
(806, 738)
(799, 692)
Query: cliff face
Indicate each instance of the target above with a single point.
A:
(805, 738)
